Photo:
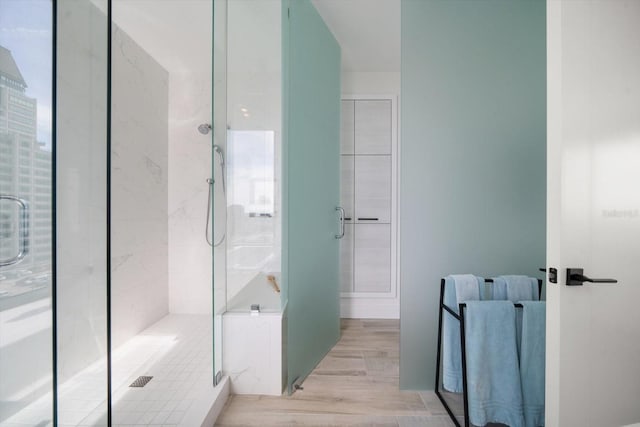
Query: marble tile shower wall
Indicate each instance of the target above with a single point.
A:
(140, 90)
(190, 263)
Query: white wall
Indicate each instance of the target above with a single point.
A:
(139, 175)
(371, 83)
(190, 263)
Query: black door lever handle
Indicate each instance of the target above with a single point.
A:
(575, 277)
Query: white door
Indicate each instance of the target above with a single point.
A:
(593, 212)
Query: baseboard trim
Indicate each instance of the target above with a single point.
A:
(369, 308)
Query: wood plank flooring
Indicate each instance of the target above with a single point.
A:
(356, 384)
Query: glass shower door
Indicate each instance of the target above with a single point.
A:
(26, 371)
(161, 181)
(311, 64)
(81, 292)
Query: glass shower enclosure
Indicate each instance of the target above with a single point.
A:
(138, 204)
(107, 290)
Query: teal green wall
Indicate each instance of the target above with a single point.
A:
(473, 157)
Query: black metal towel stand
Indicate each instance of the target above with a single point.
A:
(463, 350)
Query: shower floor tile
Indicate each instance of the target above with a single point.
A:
(177, 351)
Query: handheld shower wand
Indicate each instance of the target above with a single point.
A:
(204, 129)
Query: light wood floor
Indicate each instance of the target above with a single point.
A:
(356, 384)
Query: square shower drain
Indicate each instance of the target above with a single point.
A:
(140, 381)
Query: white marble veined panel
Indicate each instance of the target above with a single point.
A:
(190, 165)
(139, 178)
(252, 352)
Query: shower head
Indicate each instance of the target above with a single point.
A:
(204, 128)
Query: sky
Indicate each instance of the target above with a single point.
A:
(25, 29)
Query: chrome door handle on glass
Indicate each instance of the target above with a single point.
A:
(23, 230)
(342, 215)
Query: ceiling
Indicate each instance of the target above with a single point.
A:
(368, 32)
(175, 33)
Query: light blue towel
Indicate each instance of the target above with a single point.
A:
(532, 361)
(515, 288)
(518, 288)
(493, 377)
(457, 288)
